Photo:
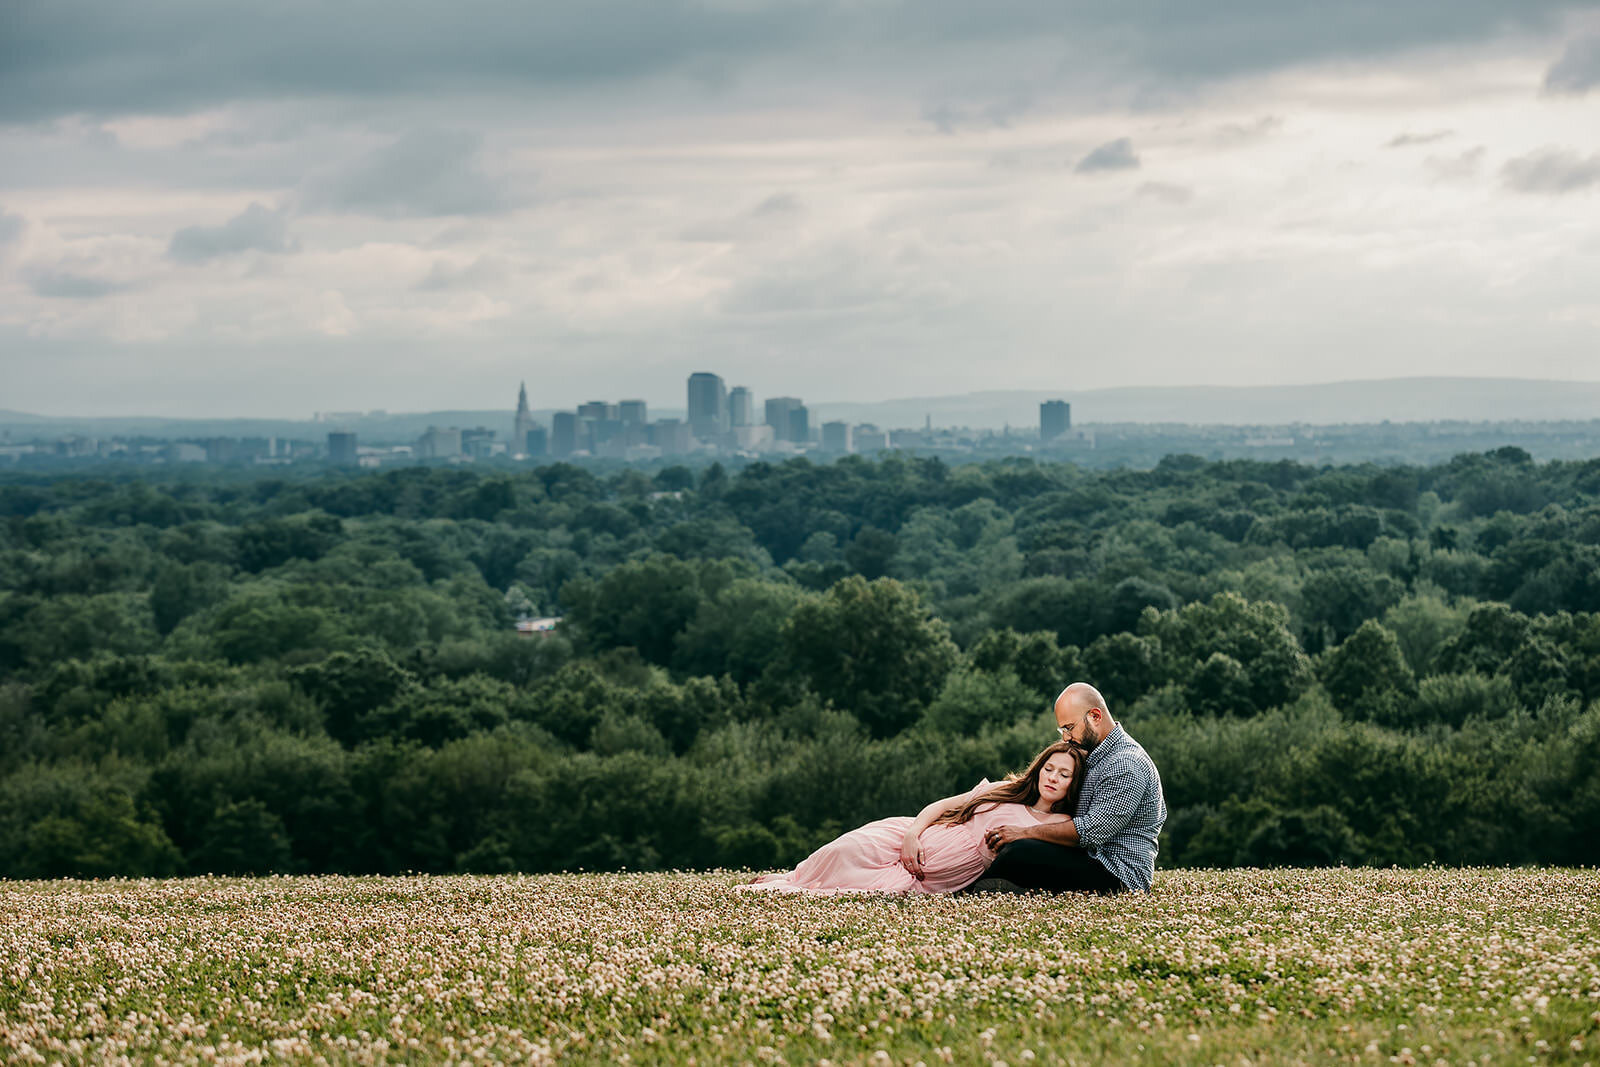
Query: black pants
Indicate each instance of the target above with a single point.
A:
(1043, 865)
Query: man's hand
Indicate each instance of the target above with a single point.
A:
(1001, 836)
(911, 857)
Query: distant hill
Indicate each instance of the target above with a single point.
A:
(1393, 400)
(1333, 403)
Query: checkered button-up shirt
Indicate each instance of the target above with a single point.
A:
(1121, 809)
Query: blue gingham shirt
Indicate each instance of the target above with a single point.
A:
(1120, 810)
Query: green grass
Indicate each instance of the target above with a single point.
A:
(1214, 967)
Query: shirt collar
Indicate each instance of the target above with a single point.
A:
(1112, 740)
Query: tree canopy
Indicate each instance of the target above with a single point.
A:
(321, 672)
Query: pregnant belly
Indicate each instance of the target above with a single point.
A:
(952, 857)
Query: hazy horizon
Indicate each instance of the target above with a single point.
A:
(405, 208)
(1532, 393)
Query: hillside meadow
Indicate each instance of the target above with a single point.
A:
(1428, 965)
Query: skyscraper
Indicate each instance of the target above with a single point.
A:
(439, 443)
(536, 443)
(1055, 419)
(342, 449)
(478, 442)
(708, 406)
(868, 439)
(563, 433)
(524, 423)
(672, 436)
(799, 425)
(778, 409)
(836, 437)
(633, 412)
(741, 406)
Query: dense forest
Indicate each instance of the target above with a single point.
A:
(229, 673)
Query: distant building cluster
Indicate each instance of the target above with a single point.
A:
(718, 421)
(262, 451)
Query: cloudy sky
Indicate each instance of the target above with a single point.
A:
(269, 209)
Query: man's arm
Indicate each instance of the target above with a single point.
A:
(1062, 832)
(1115, 801)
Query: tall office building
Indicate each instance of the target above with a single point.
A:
(563, 433)
(673, 436)
(869, 439)
(778, 409)
(1055, 419)
(477, 443)
(836, 437)
(524, 422)
(439, 444)
(596, 409)
(708, 406)
(536, 443)
(342, 449)
(604, 436)
(633, 412)
(799, 425)
(741, 406)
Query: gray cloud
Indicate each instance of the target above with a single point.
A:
(948, 116)
(1233, 133)
(69, 285)
(67, 56)
(827, 282)
(483, 271)
(256, 229)
(942, 116)
(774, 214)
(1455, 168)
(1552, 171)
(11, 227)
(424, 174)
(779, 205)
(1578, 69)
(1406, 140)
(1166, 192)
(1113, 155)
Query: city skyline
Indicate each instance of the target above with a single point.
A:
(211, 209)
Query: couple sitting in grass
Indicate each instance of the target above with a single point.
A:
(1084, 816)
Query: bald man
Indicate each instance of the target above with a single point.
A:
(1109, 845)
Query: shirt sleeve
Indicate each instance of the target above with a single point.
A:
(1115, 801)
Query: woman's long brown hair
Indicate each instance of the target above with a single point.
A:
(1024, 788)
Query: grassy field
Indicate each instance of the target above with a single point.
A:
(1429, 966)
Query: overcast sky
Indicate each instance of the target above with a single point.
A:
(301, 206)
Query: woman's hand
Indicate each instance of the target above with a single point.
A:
(911, 856)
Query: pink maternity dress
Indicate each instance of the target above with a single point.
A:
(867, 859)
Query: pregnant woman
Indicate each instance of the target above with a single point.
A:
(942, 849)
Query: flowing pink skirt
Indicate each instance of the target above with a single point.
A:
(867, 860)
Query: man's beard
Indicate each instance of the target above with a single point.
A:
(1089, 741)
